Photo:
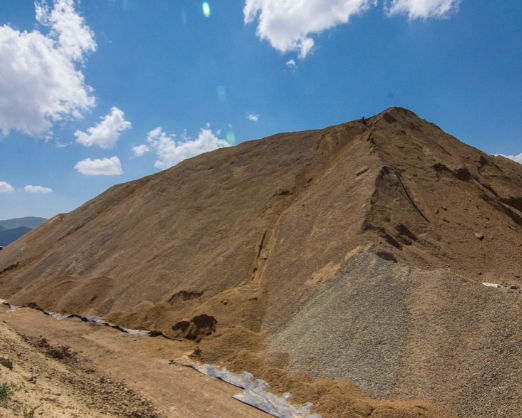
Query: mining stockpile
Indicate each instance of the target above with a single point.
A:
(366, 266)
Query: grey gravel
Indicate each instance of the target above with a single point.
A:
(398, 331)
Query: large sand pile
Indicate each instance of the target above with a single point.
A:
(357, 251)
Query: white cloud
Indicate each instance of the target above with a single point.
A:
(140, 150)
(106, 133)
(37, 189)
(291, 63)
(288, 24)
(253, 117)
(5, 187)
(39, 80)
(424, 8)
(106, 167)
(74, 38)
(171, 152)
(517, 158)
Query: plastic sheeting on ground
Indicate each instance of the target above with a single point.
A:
(254, 389)
(95, 319)
(254, 393)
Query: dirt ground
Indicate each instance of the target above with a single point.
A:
(72, 368)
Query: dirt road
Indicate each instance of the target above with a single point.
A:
(103, 372)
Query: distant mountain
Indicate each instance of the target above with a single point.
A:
(7, 236)
(27, 222)
(12, 229)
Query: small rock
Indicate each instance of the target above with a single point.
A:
(362, 171)
(479, 235)
(196, 353)
(6, 362)
(29, 378)
(514, 287)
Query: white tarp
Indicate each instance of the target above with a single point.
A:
(254, 393)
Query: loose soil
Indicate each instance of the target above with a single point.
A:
(72, 368)
(353, 252)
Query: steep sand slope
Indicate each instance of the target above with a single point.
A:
(355, 251)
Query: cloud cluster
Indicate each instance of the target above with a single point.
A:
(140, 150)
(288, 24)
(39, 81)
(423, 9)
(106, 167)
(37, 189)
(171, 152)
(106, 133)
(5, 187)
(253, 117)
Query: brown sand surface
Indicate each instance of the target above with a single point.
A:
(107, 373)
(357, 251)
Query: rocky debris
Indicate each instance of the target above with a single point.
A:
(61, 352)
(183, 296)
(196, 329)
(53, 385)
(479, 235)
(6, 362)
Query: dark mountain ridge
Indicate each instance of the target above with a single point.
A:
(7, 236)
(27, 222)
(12, 229)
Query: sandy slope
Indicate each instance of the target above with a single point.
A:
(356, 251)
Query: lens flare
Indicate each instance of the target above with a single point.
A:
(236, 172)
(231, 138)
(206, 9)
(222, 93)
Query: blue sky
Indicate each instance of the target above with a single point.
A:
(95, 93)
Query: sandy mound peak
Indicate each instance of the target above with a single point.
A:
(290, 243)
